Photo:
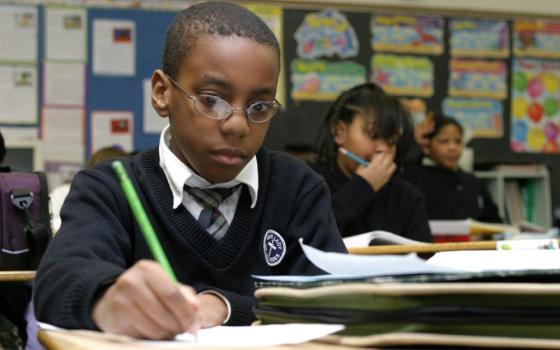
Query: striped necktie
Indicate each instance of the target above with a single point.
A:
(210, 218)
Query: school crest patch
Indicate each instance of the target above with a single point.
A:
(274, 248)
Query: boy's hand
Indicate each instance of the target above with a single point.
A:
(145, 303)
(379, 170)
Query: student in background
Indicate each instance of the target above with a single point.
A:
(59, 193)
(224, 209)
(451, 194)
(370, 196)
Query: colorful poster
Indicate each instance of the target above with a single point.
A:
(536, 38)
(479, 38)
(319, 80)
(477, 78)
(272, 16)
(413, 34)
(482, 118)
(535, 99)
(326, 34)
(404, 75)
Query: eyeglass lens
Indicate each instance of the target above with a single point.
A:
(217, 108)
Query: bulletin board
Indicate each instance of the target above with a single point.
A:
(467, 77)
(118, 95)
(518, 74)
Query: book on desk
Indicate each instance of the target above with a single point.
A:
(508, 303)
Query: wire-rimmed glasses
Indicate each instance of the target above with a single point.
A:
(214, 107)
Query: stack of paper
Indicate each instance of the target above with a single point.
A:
(376, 296)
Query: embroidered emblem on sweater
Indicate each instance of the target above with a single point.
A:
(274, 248)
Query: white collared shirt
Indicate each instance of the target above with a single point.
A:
(179, 174)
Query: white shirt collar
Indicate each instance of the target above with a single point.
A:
(178, 173)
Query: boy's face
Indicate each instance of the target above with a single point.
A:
(239, 71)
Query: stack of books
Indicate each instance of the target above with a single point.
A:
(423, 304)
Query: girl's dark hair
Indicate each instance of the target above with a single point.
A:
(441, 121)
(390, 118)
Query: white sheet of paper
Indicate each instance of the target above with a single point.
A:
(251, 336)
(243, 336)
(18, 33)
(114, 47)
(153, 123)
(112, 128)
(18, 94)
(373, 265)
(65, 34)
(491, 260)
(59, 144)
(64, 84)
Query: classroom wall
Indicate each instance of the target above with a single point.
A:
(486, 7)
(299, 122)
(301, 116)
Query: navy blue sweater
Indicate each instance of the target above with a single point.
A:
(453, 195)
(99, 239)
(397, 207)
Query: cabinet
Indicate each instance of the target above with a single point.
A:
(533, 192)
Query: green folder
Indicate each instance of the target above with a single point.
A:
(525, 310)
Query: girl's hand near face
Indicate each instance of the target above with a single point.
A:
(379, 171)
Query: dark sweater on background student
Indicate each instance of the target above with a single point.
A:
(398, 207)
(96, 248)
(453, 194)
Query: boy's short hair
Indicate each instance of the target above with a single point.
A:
(221, 19)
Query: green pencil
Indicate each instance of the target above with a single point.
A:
(141, 218)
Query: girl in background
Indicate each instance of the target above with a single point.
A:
(360, 144)
(451, 194)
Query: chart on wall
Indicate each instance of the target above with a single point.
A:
(325, 34)
(535, 92)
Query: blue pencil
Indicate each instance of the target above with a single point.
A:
(352, 156)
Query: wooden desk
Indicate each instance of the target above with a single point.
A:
(86, 340)
(422, 248)
(16, 276)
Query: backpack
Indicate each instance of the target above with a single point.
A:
(24, 220)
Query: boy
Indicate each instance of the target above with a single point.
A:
(217, 86)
